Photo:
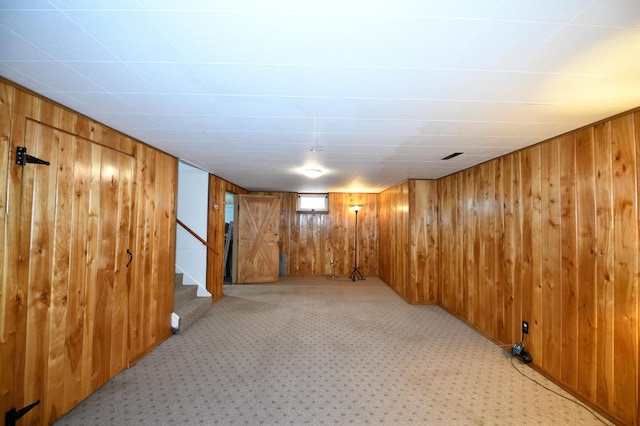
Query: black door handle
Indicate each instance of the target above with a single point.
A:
(130, 257)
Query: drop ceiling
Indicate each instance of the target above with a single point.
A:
(370, 92)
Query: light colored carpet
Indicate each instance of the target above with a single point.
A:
(319, 351)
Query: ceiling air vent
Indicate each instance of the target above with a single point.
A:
(450, 156)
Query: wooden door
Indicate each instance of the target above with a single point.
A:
(257, 237)
(71, 329)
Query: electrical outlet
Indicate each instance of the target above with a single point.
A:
(525, 327)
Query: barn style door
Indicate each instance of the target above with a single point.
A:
(71, 326)
(258, 250)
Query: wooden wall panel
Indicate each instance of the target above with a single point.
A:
(7, 279)
(394, 260)
(605, 262)
(153, 268)
(423, 242)
(218, 187)
(551, 256)
(507, 250)
(446, 262)
(569, 250)
(626, 271)
(310, 241)
(586, 263)
(552, 232)
(408, 250)
(64, 286)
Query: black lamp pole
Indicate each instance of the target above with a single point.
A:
(355, 273)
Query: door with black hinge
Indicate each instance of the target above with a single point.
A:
(73, 235)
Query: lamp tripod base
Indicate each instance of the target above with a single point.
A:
(355, 273)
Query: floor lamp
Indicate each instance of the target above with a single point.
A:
(355, 273)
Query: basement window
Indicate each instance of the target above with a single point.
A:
(313, 203)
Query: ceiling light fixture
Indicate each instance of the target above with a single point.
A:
(312, 173)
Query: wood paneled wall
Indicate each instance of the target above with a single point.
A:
(549, 235)
(218, 188)
(7, 290)
(394, 234)
(151, 275)
(310, 241)
(409, 240)
(73, 315)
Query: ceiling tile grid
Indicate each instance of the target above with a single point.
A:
(245, 88)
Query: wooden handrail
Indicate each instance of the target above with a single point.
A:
(189, 230)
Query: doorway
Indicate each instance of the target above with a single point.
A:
(229, 227)
(73, 251)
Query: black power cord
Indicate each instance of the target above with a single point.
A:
(578, 403)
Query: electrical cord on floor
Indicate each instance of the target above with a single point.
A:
(578, 403)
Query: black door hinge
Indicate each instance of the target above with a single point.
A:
(11, 416)
(23, 158)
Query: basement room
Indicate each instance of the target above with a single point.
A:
(320, 212)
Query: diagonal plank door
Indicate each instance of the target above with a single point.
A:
(258, 248)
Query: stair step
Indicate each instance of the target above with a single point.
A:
(178, 278)
(183, 294)
(186, 303)
(191, 311)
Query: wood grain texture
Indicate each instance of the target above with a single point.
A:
(423, 242)
(604, 271)
(552, 232)
(551, 256)
(548, 234)
(587, 251)
(408, 248)
(569, 251)
(258, 238)
(65, 289)
(152, 270)
(394, 261)
(218, 188)
(310, 241)
(625, 297)
(8, 288)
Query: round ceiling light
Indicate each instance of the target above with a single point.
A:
(312, 173)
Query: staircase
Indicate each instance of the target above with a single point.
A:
(186, 305)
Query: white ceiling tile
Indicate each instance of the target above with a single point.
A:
(95, 4)
(147, 104)
(258, 79)
(582, 50)
(54, 33)
(22, 5)
(56, 76)
(23, 79)
(618, 13)
(129, 35)
(255, 124)
(102, 103)
(501, 45)
(239, 38)
(176, 78)
(244, 88)
(15, 48)
(393, 41)
(250, 106)
(233, 6)
(540, 11)
(450, 8)
(111, 76)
